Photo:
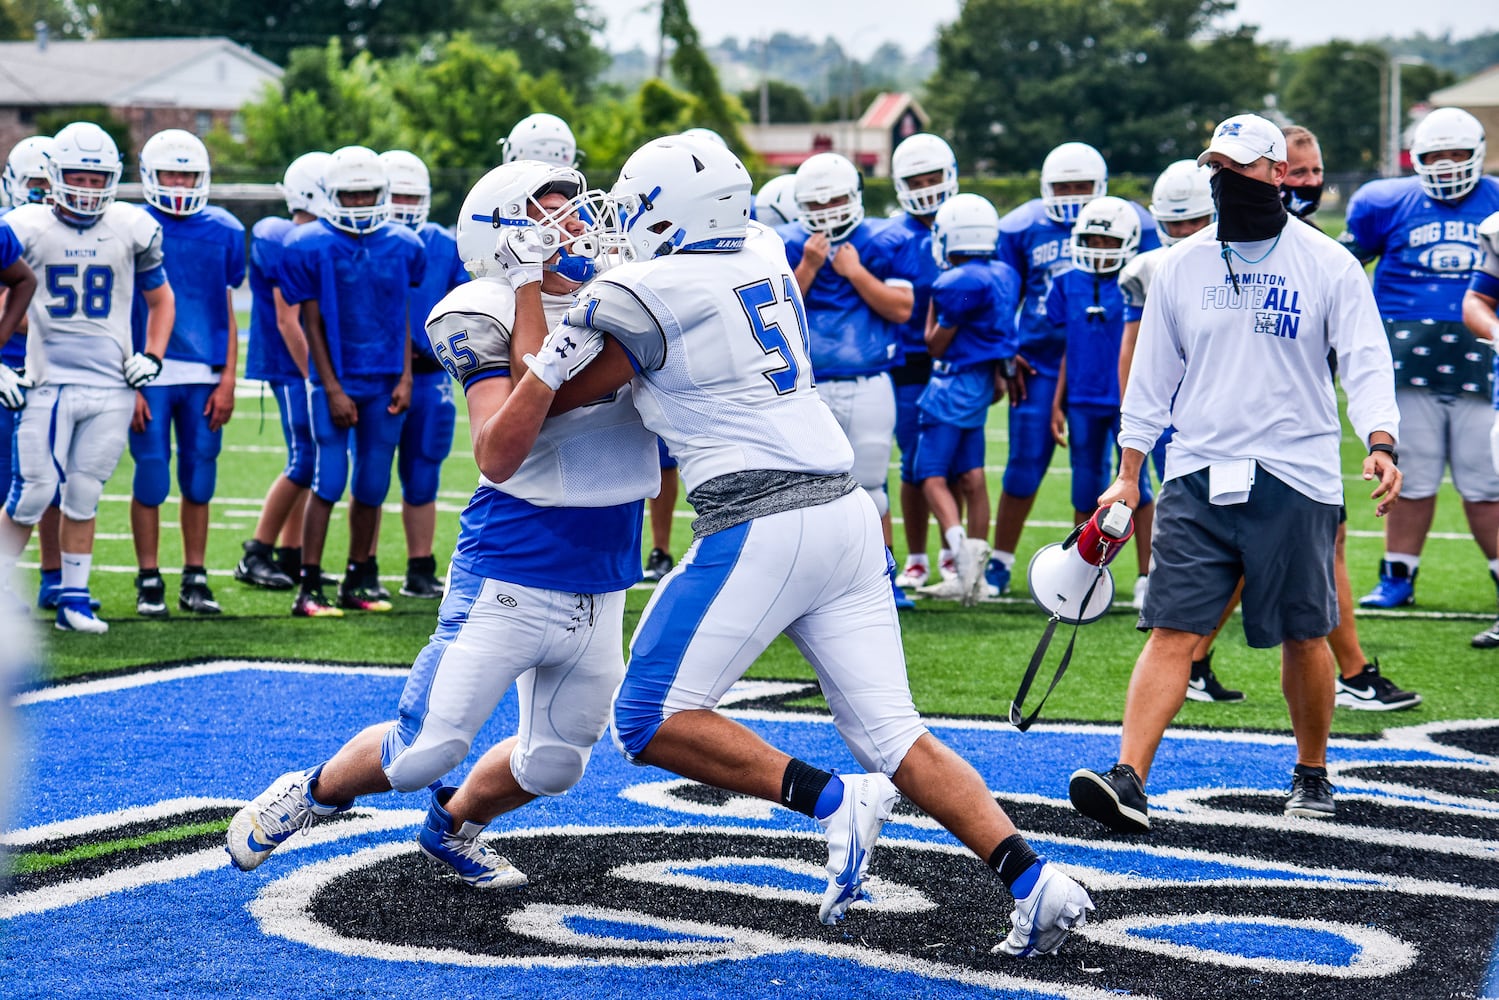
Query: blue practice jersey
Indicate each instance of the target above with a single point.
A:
(1089, 310)
(1039, 248)
(205, 256)
(14, 352)
(266, 356)
(583, 550)
(977, 298)
(848, 339)
(444, 272)
(913, 261)
(362, 285)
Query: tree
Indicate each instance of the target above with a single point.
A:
(692, 68)
(64, 19)
(785, 102)
(1334, 90)
(1142, 80)
(546, 35)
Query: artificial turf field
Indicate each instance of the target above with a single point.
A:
(646, 886)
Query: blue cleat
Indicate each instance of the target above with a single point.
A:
(460, 852)
(852, 829)
(1396, 587)
(903, 600)
(75, 613)
(46, 595)
(996, 579)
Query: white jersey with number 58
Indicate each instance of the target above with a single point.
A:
(720, 344)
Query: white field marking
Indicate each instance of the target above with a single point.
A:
(184, 866)
(658, 795)
(284, 909)
(111, 820)
(392, 507)
(885, 895)
(106, 685)
(1378, 953)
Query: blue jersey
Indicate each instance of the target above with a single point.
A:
(913, 261)
(1039, 248)
(361, 284)
(848, 339)
(205, 256)
(977, 298)
(14, 352)
(1089, 310)
(444, 272)
(266, 356)
(583, 550)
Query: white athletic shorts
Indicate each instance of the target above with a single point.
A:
(865, 409)
(72, 434)
(1437, 431)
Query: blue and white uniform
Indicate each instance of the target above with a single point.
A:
(73, 430)
(427, 436)
(536, 590)
(1444, 382)
(1039, 248)
(205, 253)
(266, 355)
(14, 355)
(853, 349)
(361, 284)
(977, 298)
(785, 541)
(913, 261)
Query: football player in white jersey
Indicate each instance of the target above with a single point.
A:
(536, 590)
(91, 255)
(706, 323)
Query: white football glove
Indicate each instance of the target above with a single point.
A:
(13, 386)
(566, 351)
(522, 252)
(141, 368)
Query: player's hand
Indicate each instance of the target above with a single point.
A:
(1023, 369)
(522, 252)
(220, 405)
(1059, 426)
(566, 351)
(141, 368)
(341, 409)
(13, 386)
(815, 251)
(1381, 466)
(142, 415)
(400, 396)
(846, 260)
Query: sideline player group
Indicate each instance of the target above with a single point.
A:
(774, 366)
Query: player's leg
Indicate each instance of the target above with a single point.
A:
(151, 450)
(1361, 683)
(426, 441)
(662, 508)
(98, 438)
(36, 477)
(197, 478)
(945, 453)
(1474, 475)
(1424, 430)
(915, 513)
(1031, 448)
(286, 496)
(329, 477)
(376, 436)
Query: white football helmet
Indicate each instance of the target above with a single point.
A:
(541, 137)
(27, 164)
(83, 146)
(351, 169)
(706, 134)
(175, 150)
(1069, 163)
(965, 224)
(408, 175)
(923, 153)
(775, 202)
(677, 195)
(1183, 192)
(1448, 128)
(1105, 217)
(302, 186)
(508, 198)
(827, 177)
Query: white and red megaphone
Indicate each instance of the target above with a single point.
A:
(1070, 580)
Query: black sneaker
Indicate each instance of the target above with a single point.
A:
(1371, 691)
(258, 570)
(1488, 639)
(1203, 684)
(195, 595)
(423, 585)
(1115, 798)
(1311, 794)
(150, 594)
(371, 584)
(657, 565)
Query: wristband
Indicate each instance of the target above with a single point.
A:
(1388, 449)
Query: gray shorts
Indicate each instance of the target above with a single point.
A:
(1280, 541)
(1436, 431)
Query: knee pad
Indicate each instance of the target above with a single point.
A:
(881, 497)
(151, 451)
(550, 769)
(80, 495)
(435, 750)
(28, 501)
(197, 477)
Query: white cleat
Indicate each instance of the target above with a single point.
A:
(972, 558)
(77, 616)
(1043, 917)
(914, 575)
(852, 829)
(273, 816)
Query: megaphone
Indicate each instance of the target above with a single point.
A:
(1070, 580)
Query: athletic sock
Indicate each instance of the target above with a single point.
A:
(75, 570)
(1016, 863)
(803, 788)
(312, 577)
(1409, 560)
(955, 537)
(1005, 559)
(919, 559)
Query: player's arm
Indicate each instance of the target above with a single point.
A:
(20, 285)
(814, 252)
(220, 405)
(161, 305)
(341, 408)
(891, 300)
(400, 396)
(289, 323)
(1059, 406)
(1481, 317)
(938, 338)
(1127, 352)
(1483, 287)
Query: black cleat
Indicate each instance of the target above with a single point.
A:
(258, 569)
(657, 565)
(195, 597)
(150, 594)
(424, 585)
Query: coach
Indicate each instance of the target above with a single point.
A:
(1239, 325)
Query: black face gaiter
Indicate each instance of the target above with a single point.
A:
(1302, 201)
(1248, 209)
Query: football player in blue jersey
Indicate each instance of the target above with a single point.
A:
(193, 397)
(536, 594)
(351, 273)
(970, 337)
(277, 355)
(17, 286)
(846, 268)
(427, 437)
(1424, 231)
(1479, 303)
(925, 174)
(1035, 240)
(91, 255)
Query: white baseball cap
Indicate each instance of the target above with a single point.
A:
(1246, 138)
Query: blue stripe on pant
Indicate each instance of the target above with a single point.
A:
(671, 621)
(296, 430)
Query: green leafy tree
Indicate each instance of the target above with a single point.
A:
(548, 36)
(1335, 91)
(64, 19)
(693, 69)
(51, 121)
(786, 102)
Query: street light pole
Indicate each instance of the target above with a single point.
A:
(1396, 117)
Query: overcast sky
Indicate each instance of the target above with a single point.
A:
(861, 26)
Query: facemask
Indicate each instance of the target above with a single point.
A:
(1302, 201)
(1248, 209)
